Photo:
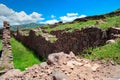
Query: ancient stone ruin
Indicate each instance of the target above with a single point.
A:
(76, 41)
(6, 60)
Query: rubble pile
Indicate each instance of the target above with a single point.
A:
(61, 66)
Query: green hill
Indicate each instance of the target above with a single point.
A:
(26, 26)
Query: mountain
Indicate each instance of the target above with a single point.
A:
(26, 26)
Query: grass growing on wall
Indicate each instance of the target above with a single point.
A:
(107, 52)
(22, 57)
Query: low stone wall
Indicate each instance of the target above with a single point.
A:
(37, 43)
(76, 41)
(80, 40)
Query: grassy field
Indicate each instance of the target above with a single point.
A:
(107, 52)
(22, 56)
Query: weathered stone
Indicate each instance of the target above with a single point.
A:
(11, 73)
(95, 67)
(55, 58)
(74, 63)
(44, 65)
(58, 75)
(110, 41)
(72, 54)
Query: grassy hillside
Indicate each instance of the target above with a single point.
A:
(109, 22)
(22, 56)
(107, 52)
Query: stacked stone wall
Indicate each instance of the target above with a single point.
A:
(76, 41)
(6, 60)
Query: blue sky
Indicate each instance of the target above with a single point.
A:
(50, 11)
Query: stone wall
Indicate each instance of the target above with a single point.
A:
(113, 33)
(80, 40)
(76, 41)
(36, 43)
(1, 32)
(6, 61)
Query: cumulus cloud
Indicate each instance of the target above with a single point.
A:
(51, 21)
(70, 17)
(16, 18)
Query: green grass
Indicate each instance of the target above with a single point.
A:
(107, 52)
(22, 57)
(111, 22)
(73, 26)
(53, 39)
(0, 44)
(2, 68)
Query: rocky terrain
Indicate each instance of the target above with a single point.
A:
(60, 66)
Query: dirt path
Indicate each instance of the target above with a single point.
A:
(62, 66)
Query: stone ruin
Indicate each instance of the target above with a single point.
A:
(6, 60)
(76, 41)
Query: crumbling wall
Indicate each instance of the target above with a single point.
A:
(80, 40)
(76, 41)
(113, 33)
(36, 43)
(6, 61)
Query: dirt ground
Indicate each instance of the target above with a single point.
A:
(60, 66)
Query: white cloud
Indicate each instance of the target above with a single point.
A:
(16, 18)
(52, 16)
(50, 21)
(72, 14)
(70, 17)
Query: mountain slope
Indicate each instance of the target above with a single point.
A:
(26, 26)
